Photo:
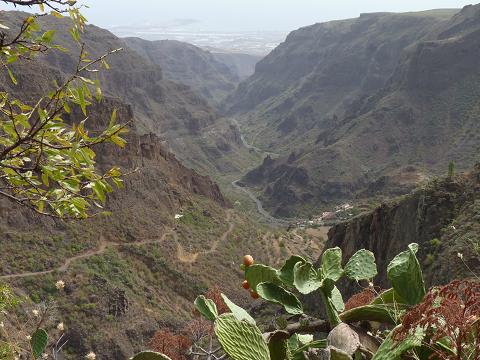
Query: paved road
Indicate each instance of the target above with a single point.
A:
(259, 205)
(249, 146)
(268, 217)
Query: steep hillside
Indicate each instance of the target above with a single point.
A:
(443, 217)
(187, 64)
(179, 116)
(242, 64)
(139, 269)
(379, 102)
(123, 271)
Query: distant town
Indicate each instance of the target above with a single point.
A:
(327, 218)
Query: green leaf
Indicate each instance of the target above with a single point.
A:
(113, 118)
(286, 272)
(99, 190)
(14, 80)
(98, 91)
(66, 107)
(298, 343)
(75, 34)
(405, 274)
(150, 355)
(237, 311)
(332, 302)
(241, 340)
(56, 14)
(391, 350)
(306, 278)
(361, 266)
(39, 343)
(258, 273)
(276, 294)
(337, 299)
(385, 314)
(118, 141)
(206, 307)
(332, 264)
(315, 344)
(81, 100)
(389, 296)
(278, 345)
(48, 36)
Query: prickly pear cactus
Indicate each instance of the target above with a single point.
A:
(406, 276)
(361, 266)
(286, 272)
(382, 313)
(278, 345)
(206, 307)
(279, 295)
(306, 278)
(39, 343)
(150, 355)
(237, 311)
(241, 340)
(332, 264)
(257, 273)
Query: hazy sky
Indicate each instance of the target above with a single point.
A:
(239, 15)
(247, 14)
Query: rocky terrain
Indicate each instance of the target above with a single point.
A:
(443, 217)
(380, 103)
(189, 65)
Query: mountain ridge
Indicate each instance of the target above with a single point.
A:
(362, 99)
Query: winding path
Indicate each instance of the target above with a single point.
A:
(185, 257)
(249, 146)
(182, 255)
(268, 217)
(259, 205)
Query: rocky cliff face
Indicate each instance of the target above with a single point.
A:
(187, 64)
(443, 218)
(382, 101)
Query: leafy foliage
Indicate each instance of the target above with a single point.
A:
(175, 346)
(449, 315)
(7, 298)
(361, 266)
(237, 311)
(47, 161)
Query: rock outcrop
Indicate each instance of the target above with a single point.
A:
(443, 218)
